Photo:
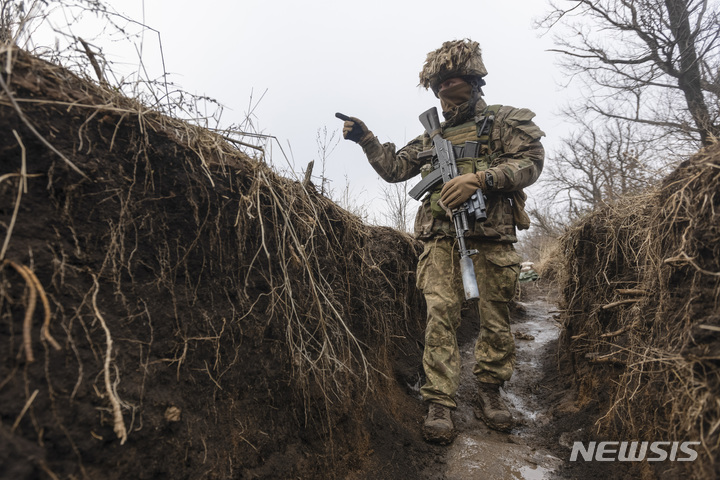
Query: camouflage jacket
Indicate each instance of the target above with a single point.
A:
(512, 153)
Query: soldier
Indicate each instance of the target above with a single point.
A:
(503, 154)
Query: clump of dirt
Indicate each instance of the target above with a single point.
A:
(641, 292)
(172, 308)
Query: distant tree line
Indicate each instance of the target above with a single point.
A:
(650, 73)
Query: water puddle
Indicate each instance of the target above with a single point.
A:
(479, 452)
(533, 335)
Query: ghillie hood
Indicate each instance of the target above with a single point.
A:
(456, 58)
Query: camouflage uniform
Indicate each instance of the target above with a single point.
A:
(513, 154)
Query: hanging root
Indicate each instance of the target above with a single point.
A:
(45, 330)
(24, 411)
(118, 422)
(27, 323)
(35, 288)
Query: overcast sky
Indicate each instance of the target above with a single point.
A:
(316, 57)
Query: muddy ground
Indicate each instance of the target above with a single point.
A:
(543, 401)
(540, 396)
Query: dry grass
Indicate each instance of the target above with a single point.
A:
(642, 291)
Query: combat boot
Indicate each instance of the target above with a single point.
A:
(438, 426)
(492, 409)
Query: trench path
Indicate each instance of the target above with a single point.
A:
(479, 452)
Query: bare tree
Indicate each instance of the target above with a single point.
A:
(326, 143)
(655, 62)
(11, 14)
(600, 162)
(398, 205)
(547, 226)
(349, 199)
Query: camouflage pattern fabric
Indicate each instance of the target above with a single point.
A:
(516, 161)
(514, 156)
(497, 266)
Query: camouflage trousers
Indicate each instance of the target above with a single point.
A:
(497, 267)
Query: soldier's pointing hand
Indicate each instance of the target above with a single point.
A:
(354, 129)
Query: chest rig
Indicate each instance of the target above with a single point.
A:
(473, 153)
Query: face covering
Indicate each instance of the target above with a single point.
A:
(455, 96)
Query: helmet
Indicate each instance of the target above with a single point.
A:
(456, 58)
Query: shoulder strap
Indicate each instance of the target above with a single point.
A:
(484, 122)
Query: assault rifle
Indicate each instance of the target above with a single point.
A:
(446, 169)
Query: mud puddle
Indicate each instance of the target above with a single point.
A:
(479, 452)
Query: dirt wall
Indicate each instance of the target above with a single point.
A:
(641, 296)
(172, 308)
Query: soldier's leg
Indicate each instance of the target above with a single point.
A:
(438, 279)
(497, 267)
(495, 346)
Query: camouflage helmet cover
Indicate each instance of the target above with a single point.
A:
(456, 58)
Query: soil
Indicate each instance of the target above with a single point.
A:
(216, 342)
(175, 287)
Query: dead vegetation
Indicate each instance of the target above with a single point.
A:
(179, 275)
(642, 291)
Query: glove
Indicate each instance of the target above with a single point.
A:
(455, 192)
(354, 129)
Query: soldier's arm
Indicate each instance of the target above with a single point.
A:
(522, 157)
(393, 166)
